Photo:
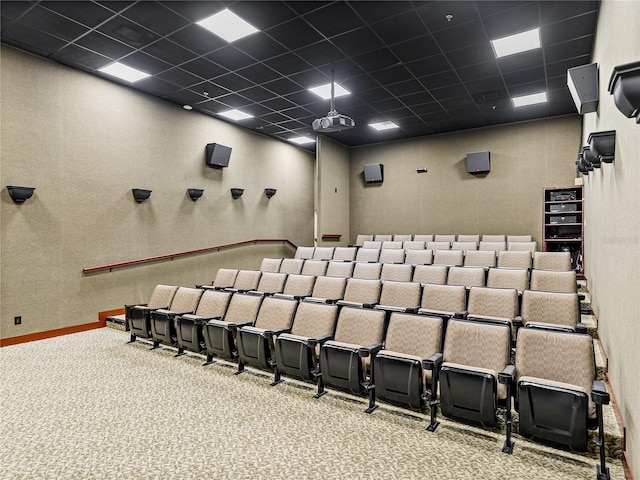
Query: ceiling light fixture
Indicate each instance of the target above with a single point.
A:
(187, 107)
(520, 42)
(381, 126)
(302, 140)
(324, 91)
(227, 25)
(124, 72)
(235, 115)
(532, 99)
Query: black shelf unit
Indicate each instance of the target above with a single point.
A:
(564, 223)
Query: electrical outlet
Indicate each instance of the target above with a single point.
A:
(17, 320)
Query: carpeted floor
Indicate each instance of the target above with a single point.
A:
(89, 406)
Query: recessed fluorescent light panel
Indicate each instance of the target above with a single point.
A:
(123, 72)
(227, 25)
(532, 99)
(302, 140)
(380, 126)
(324, 91)
(520, 42)
(235, 115)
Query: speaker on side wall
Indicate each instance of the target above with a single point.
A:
(479, 162)
(583, 85)
(217, 156)
(373, 173)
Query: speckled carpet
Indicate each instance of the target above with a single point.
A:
(90, 406)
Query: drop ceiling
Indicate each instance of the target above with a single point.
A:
(426, 66)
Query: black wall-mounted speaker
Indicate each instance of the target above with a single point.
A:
(624, 85)
(373, 173)
(583, 85)
(479, 162)
(217, 156)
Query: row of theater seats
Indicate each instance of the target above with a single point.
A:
(395, 341)
(471, 258)
(446, 245)
(360, 239)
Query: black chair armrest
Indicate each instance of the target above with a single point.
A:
(369, 304)
(312, 342)
(517, 322)
(177, 314)
(275, 331)
(236, 326)
(462, 314)
(433, 362)
(412, 309)
(507, 375)
(370, 350)
(599, 393)
(581, 328)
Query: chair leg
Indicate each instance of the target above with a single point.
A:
(240, 368)
(321, 390)
(132, 338)
(508, 444)
(603, 471)
(156, 344)
(180, 352)
(277, 378)
(209, 361)
(372, 399)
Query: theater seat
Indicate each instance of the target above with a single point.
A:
(297, 287)
(552, 260)
(517, 278)
(452, 258)
(344, 254)
(164, 320)
(550, 310)
(138, 317)
(291, 265)
(340, 269)
(361, 293)
(225, 278)
(430, 274)
(328, 289)
(514, 259)
(246, 280)
(212, 304)
(418, 257)
(270, 264)
(554, 281)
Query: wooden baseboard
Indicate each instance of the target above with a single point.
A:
(32, 337)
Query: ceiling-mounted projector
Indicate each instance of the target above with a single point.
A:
(334, 121)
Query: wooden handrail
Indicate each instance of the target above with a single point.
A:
(171, 256)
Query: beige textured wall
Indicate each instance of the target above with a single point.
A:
(332, 189)
(84, 142)
(525, 157)
(612, 209)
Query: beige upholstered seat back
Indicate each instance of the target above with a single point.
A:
(382, 237)
(401, 237)
(360, 326)
(514, 259)
(367, 254)
(369, 271)
(493, 302)
(391, 255)
(517, 278)
(275, 313)
(467, 276)
(247, 280)
(242, 308)
(414, 245)
(360, 239)
(495, 246)
(417, 335)
(186, 299)
(270, 264)
(464, 246)
(430, 274)
(372, 244)
(304, 252)
(418, 257)
(400, 294)
(339, 269)
(314, 267)
(313, 320)
(554, 281)
(291, 265)
(438, 245)
(329, 287)
(522, 246)
(392, 244)
(399, 272)
(519, 238)
(299, 284)
(494, 238)
(469, 238)
(323, 253)
(423, 238)
(361, 290)
(480, 258)
(554, 308)
(552, 260)
(443, 298)
(213, 303)
(344, 254)
(445, 238)
(162, 296)
(557, 356)
(225, 277)
(272, 282)
(448, 257)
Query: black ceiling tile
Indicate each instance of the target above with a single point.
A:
(527, 88)
(195, 10)
(356, 42)
(362, 111)
(559, 95)
(490, 98)
(233, 82)
(416, 48)
(417, 98)
(556, 11)
(256, 109)
(458, 102)
(557, 82)
(399, 113)
(297, 113)
(212, 107)
(167, 51)
(306, 6)
(209, 90)
(531, 112)
(465, 35)
(562, 106)
(203, 68)
(275, 118)
(559, 68)
(311, 78)
(145, 63)
(405, 88)
(436, 117)
(197, 39)
(512, 21)
(434, 14)
(418, 130)
(155, 86)
(258, 73)
(82, 58)
(230, 57)
(90, 14)
(376, 60)
(13, 10)
(411, 120)
(440, 80)
(179, 77)
(456, 90)
(113, 5)
(503, 107)
(294, 34)
(479, 70)
(104, 45)
(263, 15)
(234, 100)
(334, 19)
(291, 125)
(52, 23)
(519, 61)
(412, 26)
(155, 17)
(360, 83)
(282, 86)
(259, 46)
(278, 103)
(372, 95)
(373, 11)
(388, 103)
(347, 102)
(287, 64)
(394, 74)
(31, 40)
(321, 53)
(303, 97)
(128, 32)
(524, 76)
(485, 85)
(443, 126)
(464, 57)
(342, 69)
(427, 108)
(573, 48)
(184, 97)
(429, 66)
(272, 129)
(491, 7)
(568, 29)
